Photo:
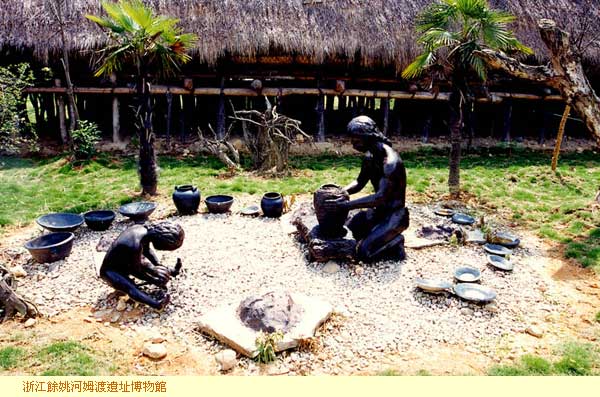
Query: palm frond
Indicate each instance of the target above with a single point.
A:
(419, 65)
(116, 13)
(138, 13)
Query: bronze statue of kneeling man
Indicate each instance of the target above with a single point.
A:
(130, 255)
(378, 230)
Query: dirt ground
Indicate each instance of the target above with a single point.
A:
(580, 290)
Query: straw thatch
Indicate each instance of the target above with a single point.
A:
(375, 31)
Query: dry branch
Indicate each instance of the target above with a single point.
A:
(564, 73)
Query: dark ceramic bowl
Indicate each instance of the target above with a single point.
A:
(51, 247)
(463, 219)
(60, 221)
(137, 212)
(218, 204)
(99, 220)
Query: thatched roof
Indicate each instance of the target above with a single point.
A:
(381, 31)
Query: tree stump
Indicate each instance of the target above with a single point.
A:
(10, 302)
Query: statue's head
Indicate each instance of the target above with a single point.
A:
(166, 236)
(364, 133)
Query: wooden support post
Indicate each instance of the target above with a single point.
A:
(169, 116)
(221, 113)
(427, 127)
(397, 111)
(320, 118)
(544, 125)
(559, 136)
(116, 120)
(60, 103)
(507, 121)
(385, 104)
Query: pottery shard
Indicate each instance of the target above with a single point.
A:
(226, 359)
(274, 311)
(155, 351)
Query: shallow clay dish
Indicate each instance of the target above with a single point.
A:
(433, 286)
(500, 262)
(443, 212)
(496, 249)
(474, 292)
(467, 274)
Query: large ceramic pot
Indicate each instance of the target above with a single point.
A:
(186, 199)
(272, 205)
(331, 223)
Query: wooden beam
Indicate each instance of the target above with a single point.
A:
(272, 91)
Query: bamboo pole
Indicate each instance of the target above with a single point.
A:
(559, 136)
(60, 103)
(271, 91)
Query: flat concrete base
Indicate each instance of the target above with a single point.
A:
(224, 324)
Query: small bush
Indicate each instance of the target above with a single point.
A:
(9, 356)
(576, 359)
(536, 365)
(85, 138)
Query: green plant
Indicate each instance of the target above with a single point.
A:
(68, 358)
(85, 138)
(9, 356)
(388, 372)
(577, 359)
(149, 45)
(451, 33)
(597, 317)
(266, 344)
(14, 124)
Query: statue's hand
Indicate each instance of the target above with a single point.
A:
(162, 274)
(335, 204)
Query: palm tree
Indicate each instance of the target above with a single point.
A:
(451, 31)
(153, 46)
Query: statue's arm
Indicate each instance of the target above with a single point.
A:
(362, 179)
(372, 200)
(149, 253)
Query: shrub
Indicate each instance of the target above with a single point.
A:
(85, 138)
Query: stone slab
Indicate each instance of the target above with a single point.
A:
(224, 324)
(411, 240)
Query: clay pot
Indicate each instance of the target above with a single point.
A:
(186, 199)
(331, 223)
(272, 205)
(51, 247)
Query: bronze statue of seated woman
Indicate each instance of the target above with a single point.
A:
(378, 229)
(130, 256)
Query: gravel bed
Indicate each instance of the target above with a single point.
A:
(228, 257)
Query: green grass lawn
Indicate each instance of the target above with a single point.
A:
(517, 184)
(59, 358)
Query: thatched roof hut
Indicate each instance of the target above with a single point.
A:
(370, 33)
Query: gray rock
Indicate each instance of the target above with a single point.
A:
(155, 351)
(226, 359)
(534, 331)
(30, 323)
(18, 271)
(331, 267)
(465, 311)
(274, 311)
